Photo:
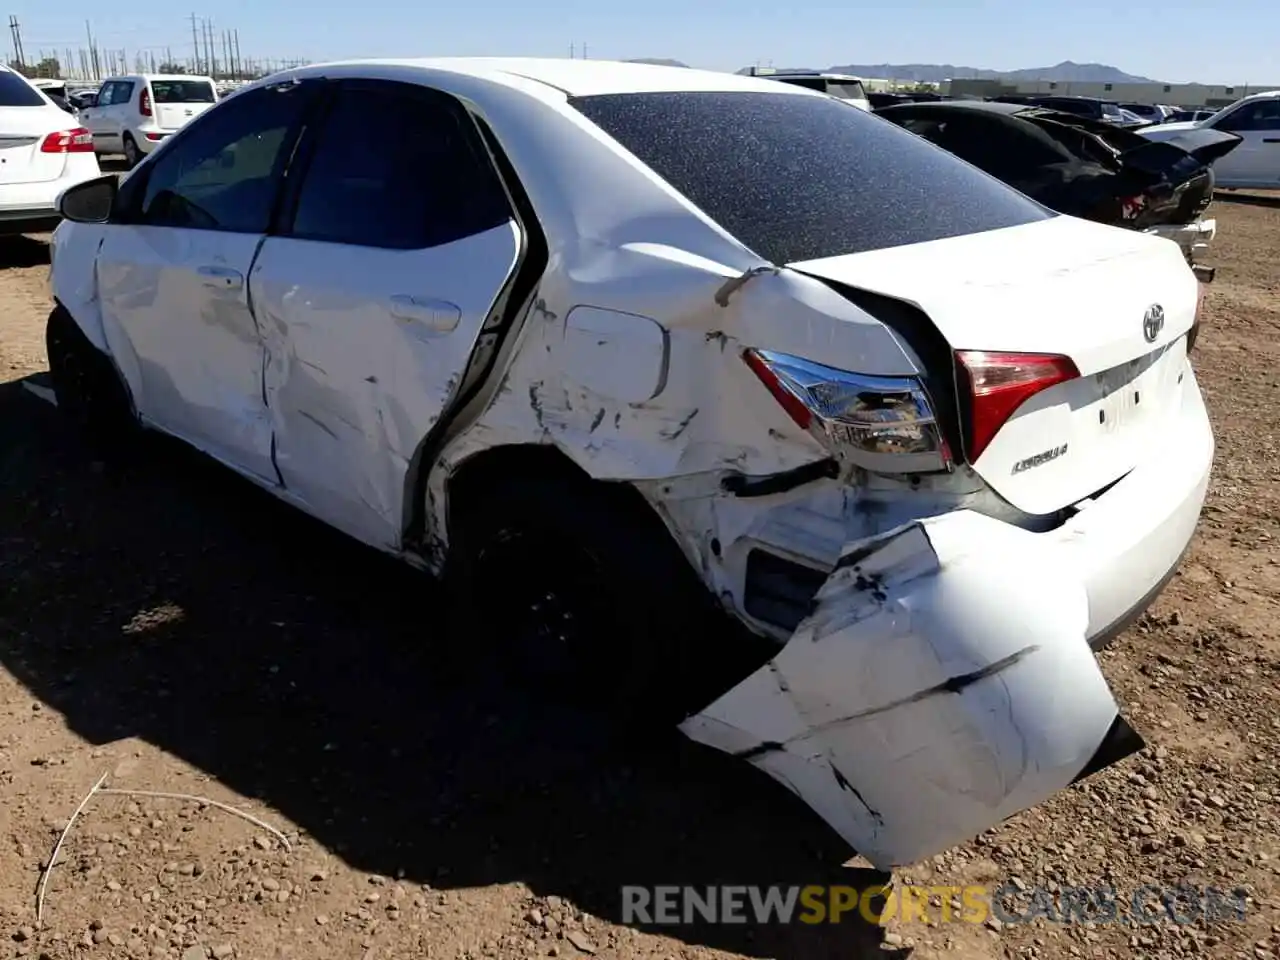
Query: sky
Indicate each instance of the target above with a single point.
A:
(1169, 41)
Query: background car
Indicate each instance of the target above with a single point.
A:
(42, 152)
(1089, 107)
(1083, 167)
(840, 86)
(1149, 112)
(1255, 164)
(134, 114)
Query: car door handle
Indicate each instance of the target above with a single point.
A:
(224, 278)
(438, 316)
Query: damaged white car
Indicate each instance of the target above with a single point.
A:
(648, 362)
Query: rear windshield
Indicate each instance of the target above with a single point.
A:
(1110, 110)
(800, 178)
(16, 92)
(182, 91)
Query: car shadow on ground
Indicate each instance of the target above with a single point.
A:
(20, 251)
(174, 602)
(1250, 199)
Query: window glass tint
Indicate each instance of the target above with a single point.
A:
(1261, 115)
(798, 178)
(1110, 110)
(398, 170)
(182, 91)
(221, 173)
(847, 90)
(16, 92)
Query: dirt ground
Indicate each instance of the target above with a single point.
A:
(180, 632)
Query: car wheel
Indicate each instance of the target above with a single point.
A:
(90, 393)
(573, 591)
(132, 155)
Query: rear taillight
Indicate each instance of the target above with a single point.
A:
(144, 103)
(999, 383)
(78, 140)
(882, 424)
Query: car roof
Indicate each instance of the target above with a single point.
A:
(576, 78)
(157, 76)
(982, 106)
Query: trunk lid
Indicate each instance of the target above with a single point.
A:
(1060, 286)
(22, 130)
(178, 102)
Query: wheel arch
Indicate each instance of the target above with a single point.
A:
(480, 476)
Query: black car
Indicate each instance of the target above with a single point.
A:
(1090, 107)
(1076, 165)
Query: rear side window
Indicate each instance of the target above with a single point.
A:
(422, 181)
(182, 91)
(846, 90)
(16, 92)
(800, 178)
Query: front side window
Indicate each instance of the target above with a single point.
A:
(16, 92)
(222, 171)
(1261, 115)
(182, 91)
(799, 178)
(422, 180)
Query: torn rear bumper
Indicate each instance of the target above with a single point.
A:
(934, 691)
(1193, 238)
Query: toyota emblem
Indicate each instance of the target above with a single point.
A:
(1153, 322)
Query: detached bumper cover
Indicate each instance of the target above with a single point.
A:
(933, 692)
(1194, 238)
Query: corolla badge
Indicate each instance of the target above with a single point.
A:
(1153, 322)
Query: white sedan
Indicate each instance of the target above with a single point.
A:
(659, 368)
(43, 150)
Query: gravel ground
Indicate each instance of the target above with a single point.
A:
(183, 633)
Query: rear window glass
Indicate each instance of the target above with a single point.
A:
(182, 91)
(799, 178)
(16, 92)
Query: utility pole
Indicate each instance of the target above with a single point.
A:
(195, 42)
(16, 31)
(239, 68)
(210, 56)
(572, 47)
(584, 49)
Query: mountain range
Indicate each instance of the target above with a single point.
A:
(1066, 71)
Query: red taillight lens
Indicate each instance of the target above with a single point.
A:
(144, 103)
(999, 383)
(792, 404)
(78, 140)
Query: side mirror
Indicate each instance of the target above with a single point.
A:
(91, 201)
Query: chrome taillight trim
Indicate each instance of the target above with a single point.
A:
(892, 429)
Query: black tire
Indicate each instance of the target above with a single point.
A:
(90, 393)
(644, 643)
(132, 155)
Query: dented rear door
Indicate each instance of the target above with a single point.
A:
(375, 296)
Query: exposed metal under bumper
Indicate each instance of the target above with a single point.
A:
(1203, 274)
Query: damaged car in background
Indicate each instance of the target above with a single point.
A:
(1085, 168)
(713, 402)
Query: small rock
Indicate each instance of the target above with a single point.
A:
(579, 940)
(262, 843)
(535, 917)
(373, 897)
(271, 883)
(223, 950)
(193, 953)
(23, 934)
(318, 875)
(893, 939)
(99, 936)
(96, 924)
(321, 920)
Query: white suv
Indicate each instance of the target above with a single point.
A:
(43, 151)
(677, 405)
(1255, 163)
(133, 115)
